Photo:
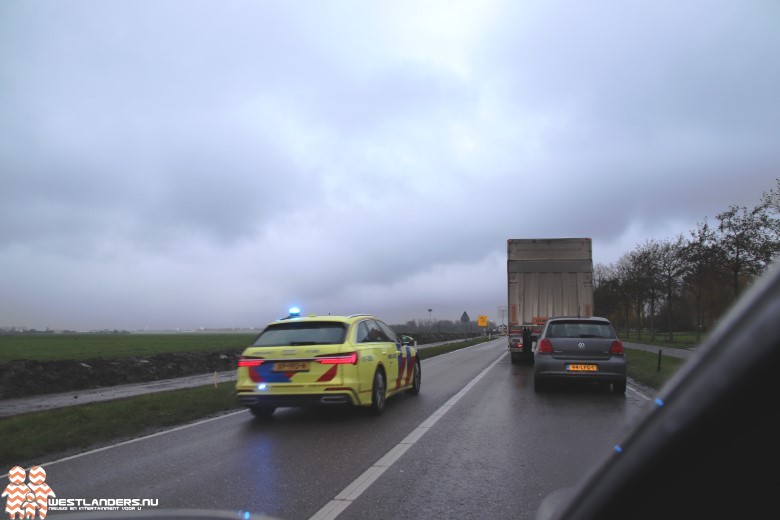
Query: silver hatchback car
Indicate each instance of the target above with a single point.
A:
(585, 349)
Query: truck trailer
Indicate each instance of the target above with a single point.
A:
(546, 277)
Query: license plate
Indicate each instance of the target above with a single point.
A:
(291, 366)
(582, 368)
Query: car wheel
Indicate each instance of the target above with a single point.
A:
(538, 385)
(262, 411)
(619, 387)
(514, 357)
(378, 393)
(416, 379)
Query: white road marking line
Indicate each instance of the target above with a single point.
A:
(331, 510)
(356, 488)
(360, 484)
(137, 439)
(637, 392)
(395, 454)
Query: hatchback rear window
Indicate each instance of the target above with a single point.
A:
(580, 330)
(302, 333)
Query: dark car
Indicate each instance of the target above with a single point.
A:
(706, 446)
(580, 349)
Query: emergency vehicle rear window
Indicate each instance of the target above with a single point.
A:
(302, 333)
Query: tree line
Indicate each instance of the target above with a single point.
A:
(686, 283)
(443, 326)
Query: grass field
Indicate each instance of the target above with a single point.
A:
(34, 438)
(679, 339)
(53, 347)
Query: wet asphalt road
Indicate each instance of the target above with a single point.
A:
(478, 442)
(10, 407)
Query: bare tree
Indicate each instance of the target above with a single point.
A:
(706, 272)
(624, 272)
(770, 203)
(637, 282)
(771, 199)
(700, 258)
(607, 291)
(648, 256)
(671, 267)
(747, 243)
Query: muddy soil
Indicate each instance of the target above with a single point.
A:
(26, 378)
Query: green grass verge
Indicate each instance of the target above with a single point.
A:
(54, 347)
(679, 339)
(33, 438)
(643, 367)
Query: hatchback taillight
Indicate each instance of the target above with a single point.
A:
(341, 359)
(616, 349)
(250, 362)
(545, 347)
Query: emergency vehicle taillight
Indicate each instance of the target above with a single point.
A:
(545, 347)
(616, 349)
(341, 359)
(250, 362)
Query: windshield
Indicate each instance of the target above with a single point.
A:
(580, 330)
(302, 333)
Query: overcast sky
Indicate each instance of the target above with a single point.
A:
(186, 164)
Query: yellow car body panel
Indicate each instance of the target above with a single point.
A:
(321, 360)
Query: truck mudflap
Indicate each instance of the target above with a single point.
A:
(523, 353)
(528, 343)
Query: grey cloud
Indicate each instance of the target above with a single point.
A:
(225, 159)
